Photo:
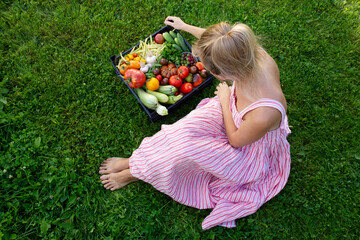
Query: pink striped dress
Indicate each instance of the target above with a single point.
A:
(193, 162)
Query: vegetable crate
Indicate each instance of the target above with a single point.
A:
(152, 114)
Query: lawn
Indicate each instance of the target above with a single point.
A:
(63, 111)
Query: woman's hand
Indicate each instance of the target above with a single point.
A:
(223, 92)
(175, 22)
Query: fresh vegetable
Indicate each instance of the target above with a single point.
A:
(123, 68)
(177, 47)
(170, 53)
(161, 110)
(186, 88)
(150, 59)
(159, 77)
(159, 38)
(197, 80)
(135, 78)
(182, 43)
(134, 64)
(176, 40)
(172, 33)
(168, 70)
(175, 80)
(183, 71)
(153, 84)
(164, 61)
(150, 101)
(193, 69)
(156, 71)
(203, 73)
(161, 97)
(167, 89)
(168, 37)
(189, 78)
(164, 81)
(188, 59)
(199, 66)
(171, 65)
(174, 99)
(144, 69)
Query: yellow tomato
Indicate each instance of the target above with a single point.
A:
(131, 57)
(143, 60)
(153, 84)
(137, 59)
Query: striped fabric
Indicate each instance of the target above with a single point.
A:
(193, 162)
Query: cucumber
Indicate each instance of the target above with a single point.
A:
(173, 34)
(177, 41)
(182, 43)
(177, 47)
(168, 37)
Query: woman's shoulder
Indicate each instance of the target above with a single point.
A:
(269, 80)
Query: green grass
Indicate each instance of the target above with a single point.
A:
(63, 111)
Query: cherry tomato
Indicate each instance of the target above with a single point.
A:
(159, 77)
(135, 55)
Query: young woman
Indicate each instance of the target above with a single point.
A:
(231, 152)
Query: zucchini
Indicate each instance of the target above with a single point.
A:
(168, 37)
(182, 43)
(161, 110)
(174, 99)
(173, 34)
(177, 47)
(161, 97)
(150, 101)
(177, 41)
(167, 89)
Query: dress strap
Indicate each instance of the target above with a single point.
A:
(266, 102)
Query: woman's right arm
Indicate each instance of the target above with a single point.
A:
(177, 23)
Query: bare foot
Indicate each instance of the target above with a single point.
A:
(117, 180)
(113, 165)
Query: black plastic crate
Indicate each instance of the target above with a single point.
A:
(153, 116)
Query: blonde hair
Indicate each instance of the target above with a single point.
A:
(229, 50)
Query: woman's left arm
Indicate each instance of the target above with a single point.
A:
(257, 123)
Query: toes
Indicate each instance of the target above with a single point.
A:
(108, 185)
(105, 181)
(105, 177)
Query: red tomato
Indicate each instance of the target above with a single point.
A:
(135, 78)
(159, 77)
(186, 88)
(183, 71)
(135, 55)
(197, 80)
(175, 80)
